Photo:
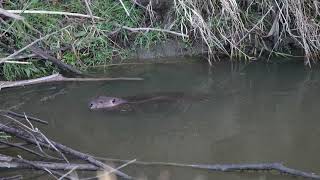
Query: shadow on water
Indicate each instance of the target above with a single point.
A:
(254, 113)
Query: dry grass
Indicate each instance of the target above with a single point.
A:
(103, 29)
(247, 28)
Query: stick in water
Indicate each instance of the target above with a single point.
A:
(58, 78)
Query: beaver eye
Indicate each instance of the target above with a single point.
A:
(113, 100)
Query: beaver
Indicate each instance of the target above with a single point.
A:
(131, 103)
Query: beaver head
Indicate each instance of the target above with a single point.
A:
(104, 102)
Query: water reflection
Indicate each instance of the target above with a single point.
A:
(255, 113)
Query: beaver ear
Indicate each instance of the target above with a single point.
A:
(113, 100)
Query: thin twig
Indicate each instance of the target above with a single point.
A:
(107, 173)
(18, 62)
(69, 172)
(2, 60)
(21, 57)
(20, 144)
(124, 7)
(24, 116)
(10, 14)
(89, 10)
(23, 148)
(51, 172)
(228, 167)
(153, 29)
(23, 135)
(17, 177)
(53, 13)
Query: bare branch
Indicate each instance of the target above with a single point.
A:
(58, 78)
(52, 12)
(10, 14)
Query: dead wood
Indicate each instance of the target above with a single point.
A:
(43, 142)
(55, 61)
(17, 177)
(12, 162)
(58, 78)
(34, 136)
(229, 167)
(24, 116)
(22, 147)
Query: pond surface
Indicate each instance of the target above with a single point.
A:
(252, 114)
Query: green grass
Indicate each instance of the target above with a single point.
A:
(4, 136)
(240, 29)
(91, 43)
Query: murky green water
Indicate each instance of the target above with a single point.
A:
(254, 113)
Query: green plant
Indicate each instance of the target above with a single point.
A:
(4, 136)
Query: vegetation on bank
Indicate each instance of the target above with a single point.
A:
(245, 29)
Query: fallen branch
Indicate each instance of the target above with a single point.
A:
(48, 165)
(2, 60)
(17, 177)
(23, 148)
(35, 137)
(10, 14)
(55, 61)
(51, 172)
(52, 12)
(11, 113)
(58, 78)
(43, 142)
(18, 62)
(10, 163)
(229, 167)
(152, 29)
(18, 144)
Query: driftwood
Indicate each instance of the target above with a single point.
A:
(3, 146)
(58, 78)
(17, 177)
(24, 116)
(22, 147)
(34, 136)
(37, 140)
(10, 162)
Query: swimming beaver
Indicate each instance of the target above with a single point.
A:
(132, 102)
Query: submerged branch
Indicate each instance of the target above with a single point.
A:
(22, 147)
(229, 167)
(34, 136)
(17, 177)
(54, 145)
(24, 116)
(58, 78)
(10, 163)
